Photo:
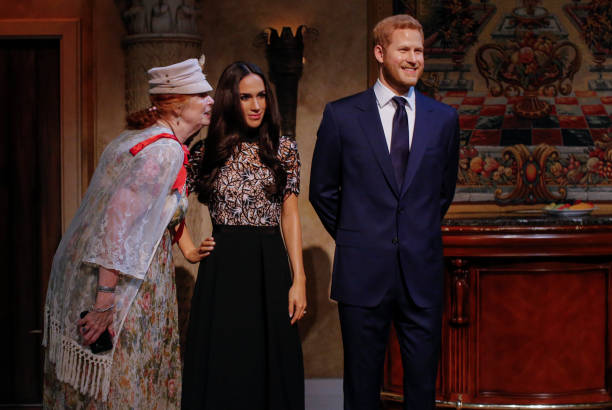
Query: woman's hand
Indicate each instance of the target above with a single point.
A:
(292, 233)
(94, 323)
(196, 254)
(297, 300)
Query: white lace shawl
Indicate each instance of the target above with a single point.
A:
(119, 225)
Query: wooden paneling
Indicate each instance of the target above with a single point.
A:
(31, 207)
(70, 21)
(526, 319)
(543, 329)
(46, 158)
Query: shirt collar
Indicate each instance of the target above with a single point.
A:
(384, 95)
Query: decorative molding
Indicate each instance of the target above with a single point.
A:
(160, 33)
(457, 350)
(460, 290)
(143, 52)
(160, 16)
(530, 185)
(534, 172)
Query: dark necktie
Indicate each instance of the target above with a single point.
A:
(400, 140)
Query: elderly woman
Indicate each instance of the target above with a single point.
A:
(111, 325)
(251, 291)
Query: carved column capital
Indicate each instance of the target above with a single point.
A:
(460, 289)
(160, 33)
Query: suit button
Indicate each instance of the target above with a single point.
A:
(400, 211)
(395, 241)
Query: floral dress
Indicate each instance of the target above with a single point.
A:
(144, 367)
(147, 362)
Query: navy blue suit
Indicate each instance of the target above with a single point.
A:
(388, 264)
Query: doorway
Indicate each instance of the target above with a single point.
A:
(30, 207)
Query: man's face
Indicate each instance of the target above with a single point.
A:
(401, 61)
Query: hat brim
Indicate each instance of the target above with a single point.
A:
(198, 88)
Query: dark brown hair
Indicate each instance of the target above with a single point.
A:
(228, 128)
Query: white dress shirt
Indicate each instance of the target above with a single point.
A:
(387, 108)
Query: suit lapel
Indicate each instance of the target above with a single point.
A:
(372, 127)
(423, 117)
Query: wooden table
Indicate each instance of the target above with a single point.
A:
(527, 315)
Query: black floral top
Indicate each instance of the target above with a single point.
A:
(239, 196)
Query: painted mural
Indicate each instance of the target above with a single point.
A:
(533, 87)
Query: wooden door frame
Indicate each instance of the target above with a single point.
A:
(74, 158)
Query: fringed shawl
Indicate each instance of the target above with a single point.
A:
(119, 225)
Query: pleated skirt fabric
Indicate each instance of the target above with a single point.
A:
(242, 351)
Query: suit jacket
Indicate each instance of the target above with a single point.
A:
(379, 226)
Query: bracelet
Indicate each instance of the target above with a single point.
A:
(106, 309)
(106, 289)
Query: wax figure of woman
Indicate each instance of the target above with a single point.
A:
(115, 260)
(243, 350)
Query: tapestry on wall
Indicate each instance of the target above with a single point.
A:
(534, 94)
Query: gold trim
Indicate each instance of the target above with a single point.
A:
(462, 405)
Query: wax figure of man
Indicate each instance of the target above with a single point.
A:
(383, 176)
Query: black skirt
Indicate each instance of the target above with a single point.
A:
(242, 351)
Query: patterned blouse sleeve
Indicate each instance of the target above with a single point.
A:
(196, 154)
(290, 158)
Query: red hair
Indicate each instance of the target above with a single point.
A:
(384, 29)
(162, 106)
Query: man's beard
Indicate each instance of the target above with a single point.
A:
(395, 80)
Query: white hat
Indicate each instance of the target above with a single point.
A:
(185, 77)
